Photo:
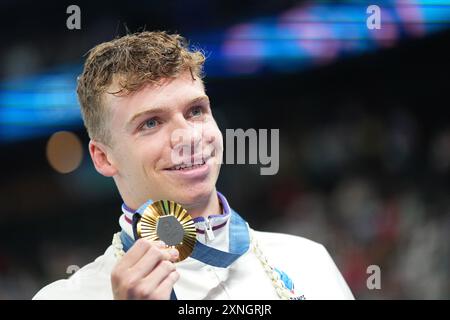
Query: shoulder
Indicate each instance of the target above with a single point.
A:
(277, 240)
(90, 282)
(283, 246)
(309, 263)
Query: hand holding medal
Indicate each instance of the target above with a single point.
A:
(147, 270)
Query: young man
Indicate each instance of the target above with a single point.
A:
(141, 96)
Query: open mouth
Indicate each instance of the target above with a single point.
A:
(187, 166)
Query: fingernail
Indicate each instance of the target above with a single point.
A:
(173, 252)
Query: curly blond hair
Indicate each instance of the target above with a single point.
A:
(131, 61)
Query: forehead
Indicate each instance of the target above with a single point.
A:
(168, 93)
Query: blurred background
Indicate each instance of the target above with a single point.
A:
(363, 118)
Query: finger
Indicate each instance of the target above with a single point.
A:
(136, 252)
(159, 273)
(149, 261)
(148, 288)
(165, 288)
(174, 253)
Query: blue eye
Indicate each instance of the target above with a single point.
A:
(196, 112)
(151, 123)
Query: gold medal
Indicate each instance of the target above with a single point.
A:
(169, 222)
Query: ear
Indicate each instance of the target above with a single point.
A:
(101, 160)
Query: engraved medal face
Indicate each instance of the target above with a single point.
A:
(169, 222)
(169, 230)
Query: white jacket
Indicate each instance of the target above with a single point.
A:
(307, 263)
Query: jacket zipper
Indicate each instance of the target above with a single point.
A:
(208, 231)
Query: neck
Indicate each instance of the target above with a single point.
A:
(205, 208)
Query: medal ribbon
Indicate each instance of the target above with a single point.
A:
(239, 243)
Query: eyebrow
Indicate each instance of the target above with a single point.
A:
(155, 110)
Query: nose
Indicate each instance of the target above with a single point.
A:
(186, 135)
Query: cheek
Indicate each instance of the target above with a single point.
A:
(135, 157)
(129, 163)
(119, 155)
(151, 154)
(218, 141)
(213, 138)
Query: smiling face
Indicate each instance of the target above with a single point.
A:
(156, 132)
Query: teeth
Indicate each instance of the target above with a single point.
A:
(185, 166)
